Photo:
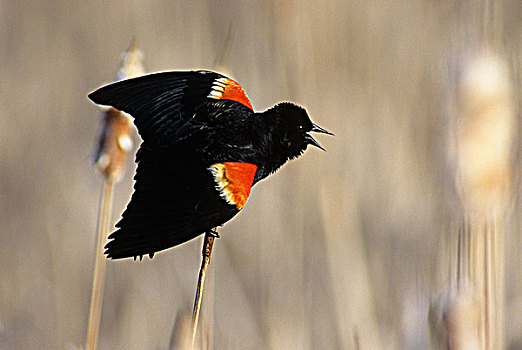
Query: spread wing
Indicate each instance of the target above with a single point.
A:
(175, 200)
(163, 104)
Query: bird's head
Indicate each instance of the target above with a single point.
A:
(295, 129)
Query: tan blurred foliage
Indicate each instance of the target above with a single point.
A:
(338, 250)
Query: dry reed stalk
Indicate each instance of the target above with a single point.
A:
(114, 144)
(181, 331)
(206, 253)
(455, 321)
(484, 144)
(221, 66)
(99, 265)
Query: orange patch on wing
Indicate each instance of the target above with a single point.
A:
(234, 181)
(228, 89)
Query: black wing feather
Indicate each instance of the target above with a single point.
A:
(162, 104)
(174, 201)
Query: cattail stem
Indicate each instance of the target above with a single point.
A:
(484, 180)
(114, 143)
(207, 251)
(104, 217)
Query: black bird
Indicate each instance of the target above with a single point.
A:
(203, 149)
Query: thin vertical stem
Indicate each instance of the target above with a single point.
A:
(206, 253)
(114, 143)
(104, 216)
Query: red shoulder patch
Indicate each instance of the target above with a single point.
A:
(234, 181)
(228, 89)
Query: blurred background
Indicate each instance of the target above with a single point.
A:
(338, 250)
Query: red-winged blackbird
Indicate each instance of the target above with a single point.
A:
(203, 149)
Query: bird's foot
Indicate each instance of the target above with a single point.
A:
(214, 233)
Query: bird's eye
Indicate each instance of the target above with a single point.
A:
(300, 127)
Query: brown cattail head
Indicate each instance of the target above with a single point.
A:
(484, 139)
(115, 139)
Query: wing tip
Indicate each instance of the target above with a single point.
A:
(111, 254)
(97, 96)
(92, 96)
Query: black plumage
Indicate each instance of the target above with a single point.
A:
(189, 122)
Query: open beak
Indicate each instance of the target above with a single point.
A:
(311, 141)
(317, 128)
